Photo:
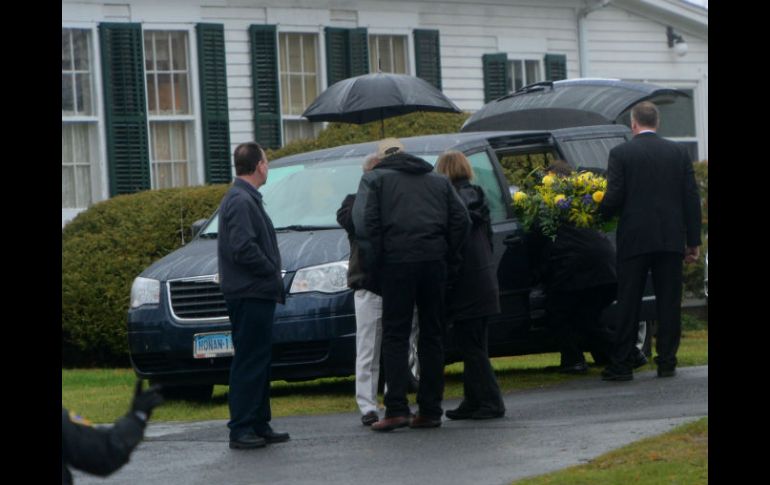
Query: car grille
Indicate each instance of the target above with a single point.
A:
(197, 299)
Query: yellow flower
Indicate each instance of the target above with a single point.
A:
(558, 198)
(519, 197)
(598, 196)
(548, 180)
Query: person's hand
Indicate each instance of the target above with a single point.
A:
(691, 254)
(145, 401)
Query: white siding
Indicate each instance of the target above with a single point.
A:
(626, 39)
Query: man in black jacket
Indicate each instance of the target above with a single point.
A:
(651, 183)
(102, 451)
(250, 278)
(410, 225)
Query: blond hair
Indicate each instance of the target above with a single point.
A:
(454, 165)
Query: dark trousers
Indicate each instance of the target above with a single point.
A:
(403, 286)
(572, 314)
(666, 270)
(249, 393)
(480, 389)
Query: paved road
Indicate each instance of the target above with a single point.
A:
(544, 430)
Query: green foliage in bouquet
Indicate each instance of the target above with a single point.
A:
(557, 201)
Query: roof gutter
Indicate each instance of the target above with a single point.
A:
(582, 41)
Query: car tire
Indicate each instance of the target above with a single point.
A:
(647, 330)
(188, 393)
(414, 370)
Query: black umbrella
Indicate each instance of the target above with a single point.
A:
(560, 104)
(372, 97)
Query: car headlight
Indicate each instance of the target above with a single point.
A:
(326, 278)
(145, 291)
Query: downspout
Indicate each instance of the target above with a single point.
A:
(582, 41)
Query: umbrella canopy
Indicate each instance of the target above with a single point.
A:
(562, 104)
(372, 97)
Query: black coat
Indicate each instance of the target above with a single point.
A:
(475, 293)
(651, 184)
(406, 213)
(358, 278)
(578, 259)
(247, 247)
(100, 451)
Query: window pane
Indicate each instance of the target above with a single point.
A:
(148, 52)
(295, 59)
(66, 144)
(373, 67)
(309, 52)
(295, 85)
(533, 71)
(179, 50)
(677, 119)
(180, 175)
(160, 141)
(67, 99)
(162, 61)
(311, 90)
(517, 75)
(83, 185)
(399, 54)
(487, 180)
(182, 102)
(165, 101)
(284, 93)
(81, 150)
(163, 175)
(284, 48)
(385, 53)
(83, 90)
(66, 53)
(152, 95)
(178, 141)
(67, 187)
(80, 44)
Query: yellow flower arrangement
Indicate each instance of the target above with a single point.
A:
(558, 200)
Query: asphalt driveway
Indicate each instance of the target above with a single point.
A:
(544, 430)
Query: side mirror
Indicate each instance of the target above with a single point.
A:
(197, 226)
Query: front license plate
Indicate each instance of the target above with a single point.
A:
(210, 345)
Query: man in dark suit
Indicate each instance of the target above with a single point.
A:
(250, 278)
(651, 184)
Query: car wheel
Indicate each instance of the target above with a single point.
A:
(187, 393)
(414, 368)
(647, 330)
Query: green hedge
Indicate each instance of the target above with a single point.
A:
(694, 273)
(104, 248)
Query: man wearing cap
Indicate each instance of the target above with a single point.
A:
(410, 225)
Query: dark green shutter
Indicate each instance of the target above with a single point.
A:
(555, 67)
(265, 87)
(125, 107)
(427, 56)
(214, 109)
(347, 53)
(496, 75)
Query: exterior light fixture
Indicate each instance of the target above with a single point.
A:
(676, 41)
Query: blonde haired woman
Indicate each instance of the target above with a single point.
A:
(473, 296)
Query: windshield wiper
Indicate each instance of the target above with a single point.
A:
(300, 227)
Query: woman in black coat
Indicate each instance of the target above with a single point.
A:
(472, 296)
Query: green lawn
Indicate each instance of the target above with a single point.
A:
(103, 395)
(679, 457)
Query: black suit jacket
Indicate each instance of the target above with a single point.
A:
(651, 184)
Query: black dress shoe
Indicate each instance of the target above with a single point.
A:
(391, 423)
(487, 413)
(247, 441)
(420, 421)
(271, 436)
(370, 418)
(610, 374)
(579, 368)
(666, 371)
(459, 413)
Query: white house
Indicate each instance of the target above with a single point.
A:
(157, 93)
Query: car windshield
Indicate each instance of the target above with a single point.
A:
(306, 196)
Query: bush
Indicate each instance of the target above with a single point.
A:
(104, 248)
(694, 273)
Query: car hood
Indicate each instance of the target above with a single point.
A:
(299, 249)
(563, 104)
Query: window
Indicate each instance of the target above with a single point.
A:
(523, 73)
(169, 110)
(78, 129)
(388, 53)
(677, 122)
(487, 180)
(298, 54)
